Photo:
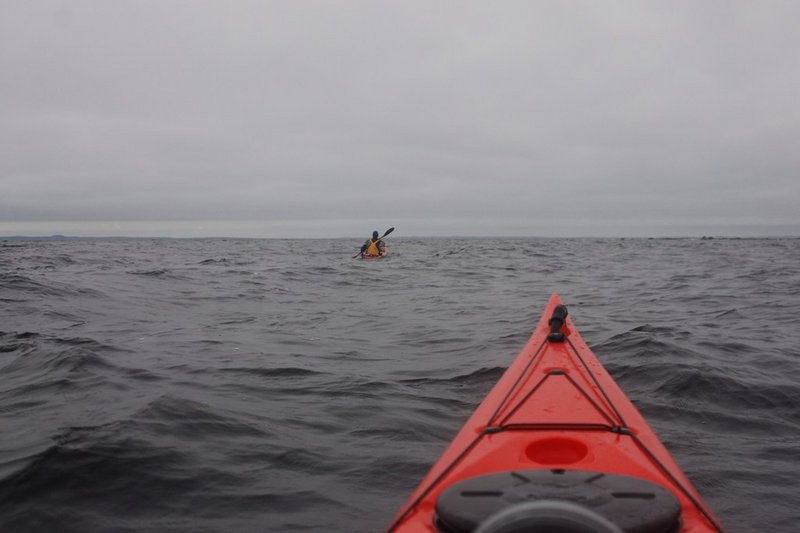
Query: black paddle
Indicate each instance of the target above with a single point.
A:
(388, 231)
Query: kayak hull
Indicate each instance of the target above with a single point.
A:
(555, 408)
(382, 255)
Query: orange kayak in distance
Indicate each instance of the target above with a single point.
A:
(556, 445)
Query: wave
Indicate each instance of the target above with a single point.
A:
(31, 287)
(279, 372)
(478, 377)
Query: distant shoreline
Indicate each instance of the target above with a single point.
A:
(450, 237)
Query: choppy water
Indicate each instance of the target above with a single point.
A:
(272, 385)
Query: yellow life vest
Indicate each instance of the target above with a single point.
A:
(372, 249)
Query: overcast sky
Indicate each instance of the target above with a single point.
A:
(333, 118)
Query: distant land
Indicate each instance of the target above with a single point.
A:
(54, 238)
(79, 238)
(450, 237)
(99, 237)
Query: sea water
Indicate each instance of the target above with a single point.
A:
(215, 385)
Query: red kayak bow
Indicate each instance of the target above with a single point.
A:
(555, 443)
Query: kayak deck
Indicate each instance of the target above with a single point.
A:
(554, 410)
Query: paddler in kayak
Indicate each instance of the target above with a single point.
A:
(373, 247)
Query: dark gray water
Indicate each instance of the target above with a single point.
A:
(272, 385)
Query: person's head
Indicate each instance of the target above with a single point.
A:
(374, 234)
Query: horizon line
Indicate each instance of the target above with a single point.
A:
(472, 237)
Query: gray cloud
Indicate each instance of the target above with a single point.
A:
(326, 118)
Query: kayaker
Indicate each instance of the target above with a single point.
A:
(373, 246)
